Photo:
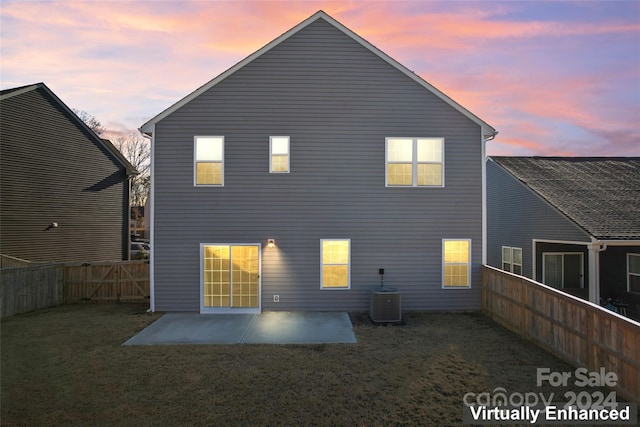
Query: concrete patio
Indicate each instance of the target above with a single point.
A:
(272, 327)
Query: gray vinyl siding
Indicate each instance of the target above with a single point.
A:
(337, 101)
(516, 216)
(52, 171)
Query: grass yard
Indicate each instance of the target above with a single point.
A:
(66, 366)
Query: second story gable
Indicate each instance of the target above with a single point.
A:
(319, 104)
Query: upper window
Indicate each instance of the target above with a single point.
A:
(279, 154)
(209, 160)
(456, 260)
(512, 259)
(633, 273)
(335, 264)
(415, 162)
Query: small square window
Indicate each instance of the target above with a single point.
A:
(512, 259)
(279, 154)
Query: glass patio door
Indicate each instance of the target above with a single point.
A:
(230, 277)
(563, 270)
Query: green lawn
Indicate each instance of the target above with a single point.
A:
(66, 366)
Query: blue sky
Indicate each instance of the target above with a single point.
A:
(554, 78)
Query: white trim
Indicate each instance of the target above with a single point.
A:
(414, 161)
(288, 154)
(617, 242)
(348, 266)
(483, 154)
(561, 242)
(629, 273)
(195, 160)
(469, 264)
(487, 130)
(230, 310)
(152, 210)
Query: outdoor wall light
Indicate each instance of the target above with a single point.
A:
(50, 226)
(271, 243)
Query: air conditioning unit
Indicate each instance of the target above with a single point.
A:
(385, 305)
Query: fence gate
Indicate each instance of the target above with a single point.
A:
(107, 281)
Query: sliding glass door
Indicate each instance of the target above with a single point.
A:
(230, 277)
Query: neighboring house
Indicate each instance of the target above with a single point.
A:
(289, 180)
(569, 222)
(65, 191)
(137, 222)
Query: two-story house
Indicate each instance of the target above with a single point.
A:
(291, 179)
(65, 191)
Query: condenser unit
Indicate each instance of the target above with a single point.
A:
(385, 305)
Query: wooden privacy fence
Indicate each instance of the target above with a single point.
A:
(579, 332)
(30, 288)
(7, 261)
(106, 281)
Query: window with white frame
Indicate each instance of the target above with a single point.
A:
(414, 162)
(335, 260)
(512, 259)
(633, 273)
(279, 154)
(506, 258)
(456, 263)
(516, 255)
(208, 158)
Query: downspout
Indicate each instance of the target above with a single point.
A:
(594, 269)
(152, 298)
(485, 139)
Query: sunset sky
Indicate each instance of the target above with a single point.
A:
(554, 78)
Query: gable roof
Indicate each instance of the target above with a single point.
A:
(600, 194)
(487, 130)
(10, 93)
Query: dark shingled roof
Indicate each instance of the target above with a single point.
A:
(599, 194)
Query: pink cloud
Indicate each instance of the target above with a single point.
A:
(126, 61)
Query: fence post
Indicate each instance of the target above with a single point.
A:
(118, 281)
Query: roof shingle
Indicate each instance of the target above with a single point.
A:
(599, 194)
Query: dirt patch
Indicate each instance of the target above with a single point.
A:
(66, 365)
